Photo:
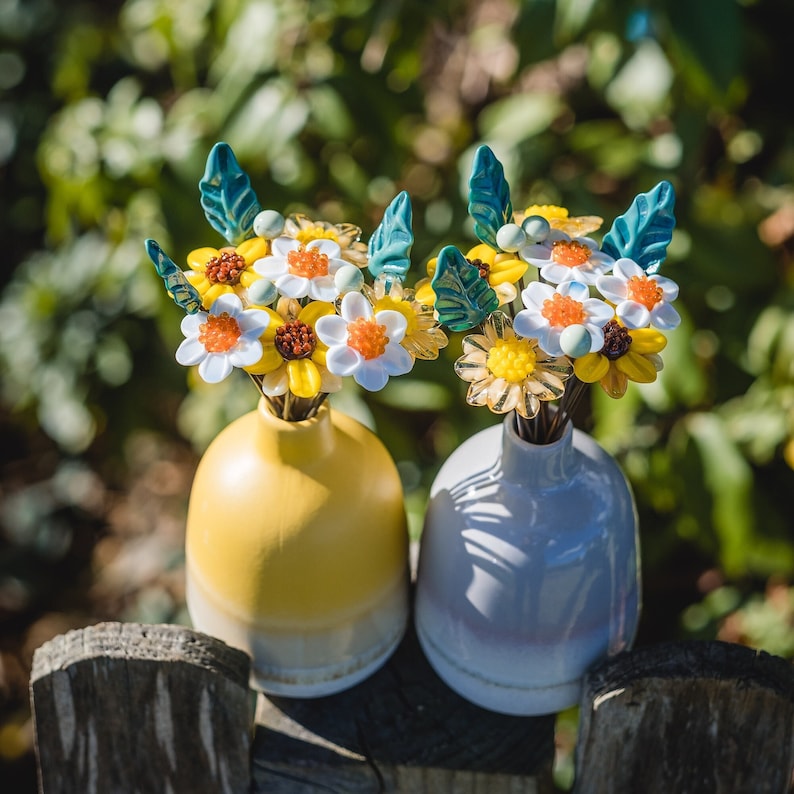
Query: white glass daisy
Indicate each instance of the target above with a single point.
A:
(640, 300)
(223, 338)
(551, 311)
(365, 343)
(299, 270)
(564, 258)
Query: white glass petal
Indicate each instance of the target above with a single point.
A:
(395, 322)
(323, 288)
(190, 352)
(343, 360)
(293, 286)
(372, 375)
(271, 267)
(355, 305)
(215, 367)
(633, 315)
(396, 359)
(281, 246)
(665, 317)
(275, 383)
(331, 329)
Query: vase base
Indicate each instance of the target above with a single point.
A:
(309, 662)
(523, 701)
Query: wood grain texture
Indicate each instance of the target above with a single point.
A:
(401, 730)
(694, 717)
(131, 708)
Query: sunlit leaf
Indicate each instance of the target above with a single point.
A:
(390, 245)
(179, 288)
(227, 198)
(489, 196)
(463, 298)
(644, 231)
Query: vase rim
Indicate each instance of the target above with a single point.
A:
(564, 438)
(265, 410)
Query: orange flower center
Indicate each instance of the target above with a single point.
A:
(307, 262)
(562, 311)
(570, 253)
(220, 333)
(225, 269)
(368, 337)
(644, 290)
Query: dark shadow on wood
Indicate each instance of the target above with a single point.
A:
(700, 717)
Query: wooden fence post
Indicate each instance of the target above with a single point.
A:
(694, 717)
(123, 708)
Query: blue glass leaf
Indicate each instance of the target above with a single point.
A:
(179, 288)
(227, 198)
(644, 231)
(389, 247)
(489, 196)
(463, 297)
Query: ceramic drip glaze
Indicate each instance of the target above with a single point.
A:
(296, 550)
(528, 569)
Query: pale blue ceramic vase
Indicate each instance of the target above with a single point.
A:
(528, 569)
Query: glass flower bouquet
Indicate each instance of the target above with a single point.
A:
(593, 314)
(287, 299)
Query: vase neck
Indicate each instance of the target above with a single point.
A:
(295, 442)
(541, 465)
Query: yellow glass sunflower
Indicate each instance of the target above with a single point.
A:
(215, 272)
(346, 235)
(423, 337)
(293, 357)
(500, 269)
(509, 372)
(627, 355)
(560, 218)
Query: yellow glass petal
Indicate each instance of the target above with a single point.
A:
(637, 367)
(271, 360)
(591, 367)
(425, 294)
(214, 292)
(506, 269)
(647, 340)
(199, 257)
(313, 311)
(615, 383)
(253, 249)
(304, 377)
(482, 252)
(198, 280)
(248, 277)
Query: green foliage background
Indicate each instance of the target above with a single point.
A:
(109, 110)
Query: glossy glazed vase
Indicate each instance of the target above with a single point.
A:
(528, 569)
(296, 550)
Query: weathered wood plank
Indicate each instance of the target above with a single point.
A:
(401, 730)
(695, 717)
(131, 708)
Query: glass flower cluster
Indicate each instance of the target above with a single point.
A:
(546, 310)
(288, 301)
(587, 313)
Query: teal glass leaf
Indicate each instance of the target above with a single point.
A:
(644, 231)
(489, 196)
(463, 297)
(227, 198)
(179, 288)
(389, 247)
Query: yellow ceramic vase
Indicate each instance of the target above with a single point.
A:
(297, 550)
